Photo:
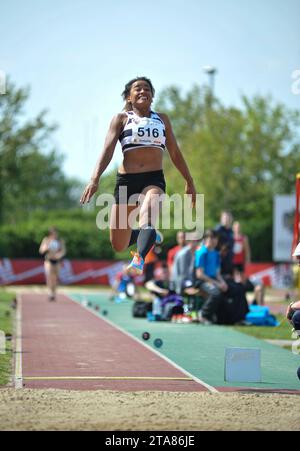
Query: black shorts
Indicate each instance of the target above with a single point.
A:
(136, 183)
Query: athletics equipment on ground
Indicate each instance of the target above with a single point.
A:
(158, 342)
(146, 336)
(242, 365)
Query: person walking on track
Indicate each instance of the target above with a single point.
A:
(144, 135)
(53, 249)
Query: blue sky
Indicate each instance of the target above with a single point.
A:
(76, 55)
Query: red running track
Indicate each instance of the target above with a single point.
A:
(62, 339)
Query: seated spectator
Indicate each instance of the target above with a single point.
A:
(165, 301)
(207, 263)
(180, 238)
(183, 273)
(208, 275)
(124, 285)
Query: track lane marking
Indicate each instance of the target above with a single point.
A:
(18, 379)
(108, 378)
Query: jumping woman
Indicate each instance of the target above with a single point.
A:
(144, 135)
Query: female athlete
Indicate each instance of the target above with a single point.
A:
(144, 135)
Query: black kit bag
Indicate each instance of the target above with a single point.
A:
(141, 308)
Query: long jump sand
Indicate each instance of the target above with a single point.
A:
(133, 411)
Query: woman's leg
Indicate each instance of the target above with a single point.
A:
(50, 273)
(121, 233)
(149, 213)
(47, 268)
(55, 279)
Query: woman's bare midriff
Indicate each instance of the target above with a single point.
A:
(146, 159)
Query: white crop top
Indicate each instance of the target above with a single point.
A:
(143, 132)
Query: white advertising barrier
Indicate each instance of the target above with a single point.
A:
(283, 225)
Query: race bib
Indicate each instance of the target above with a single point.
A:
(148, 132)
(237, 248)
(54, 246)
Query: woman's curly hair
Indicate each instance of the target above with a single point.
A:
(126, 92)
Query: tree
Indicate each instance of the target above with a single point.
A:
(239, 158)
(31, 175)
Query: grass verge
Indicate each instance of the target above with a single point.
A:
(6, 325)
(281, 332)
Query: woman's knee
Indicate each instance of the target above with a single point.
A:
(118, 245)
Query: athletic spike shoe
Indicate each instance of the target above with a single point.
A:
(159, 237)
(137, 263)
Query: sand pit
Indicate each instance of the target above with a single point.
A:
(133, 411)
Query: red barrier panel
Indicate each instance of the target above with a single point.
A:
(22, 272)
(103, 272)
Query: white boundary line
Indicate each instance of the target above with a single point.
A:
(196, 379)
(18, 346)
(104, 378)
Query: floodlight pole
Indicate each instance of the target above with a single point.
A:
(211, 72)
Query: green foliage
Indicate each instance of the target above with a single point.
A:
(239, 158)
(31, 175)
(77, 227)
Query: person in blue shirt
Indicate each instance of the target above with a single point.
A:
(208, 275)
(208, 265)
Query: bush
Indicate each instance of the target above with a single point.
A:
(76, 227)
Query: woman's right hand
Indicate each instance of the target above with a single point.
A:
(89, 191)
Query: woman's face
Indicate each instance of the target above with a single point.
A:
(53, 235)
(140, 94)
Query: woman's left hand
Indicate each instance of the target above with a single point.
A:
(190, 190)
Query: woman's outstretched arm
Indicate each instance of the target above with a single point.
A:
(105, 158)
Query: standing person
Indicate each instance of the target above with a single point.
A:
(144, 135)
(242, 256)
(53, 249)
(226, 243)
(241, 249)
(180, 238)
